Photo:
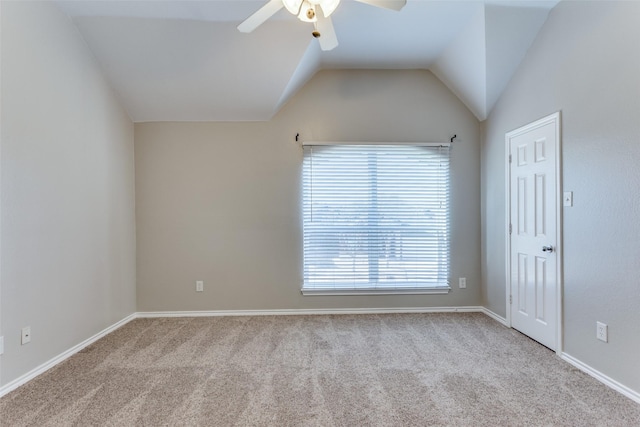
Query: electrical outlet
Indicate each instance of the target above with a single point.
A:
(26, 335)
(462, 282)
(199, 286)
(602, 332)
(1, 345)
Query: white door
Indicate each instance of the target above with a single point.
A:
(534, 234)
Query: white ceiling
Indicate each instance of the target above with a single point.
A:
(185, 60)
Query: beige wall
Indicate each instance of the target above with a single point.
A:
(585, 62)
(220, 202)
(68, 230)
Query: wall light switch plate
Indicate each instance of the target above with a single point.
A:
(199, 286)
(567, 198)
(1, 345)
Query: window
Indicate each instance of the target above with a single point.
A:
(376, 219)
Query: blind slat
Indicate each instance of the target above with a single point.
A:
(375, 217)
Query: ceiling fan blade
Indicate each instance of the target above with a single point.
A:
(386, 4)
(327, 39)
(259, 17)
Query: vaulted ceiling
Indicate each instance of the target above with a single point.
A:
(181, 60)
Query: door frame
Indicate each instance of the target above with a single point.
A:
(555, 119)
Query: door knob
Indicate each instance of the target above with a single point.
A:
(547, 248)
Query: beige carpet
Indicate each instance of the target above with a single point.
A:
(360, 370)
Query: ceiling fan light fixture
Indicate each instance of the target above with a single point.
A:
(303, 9)
(306, 10)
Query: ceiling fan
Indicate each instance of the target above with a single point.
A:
(316, 11)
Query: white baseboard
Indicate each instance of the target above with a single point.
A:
(302, 312)
(494, 316)
(62, 357)
(631, 394)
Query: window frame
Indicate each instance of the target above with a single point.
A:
(440, 288)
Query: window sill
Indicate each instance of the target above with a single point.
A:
(440, 290)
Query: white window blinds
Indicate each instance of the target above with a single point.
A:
(376, 219)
